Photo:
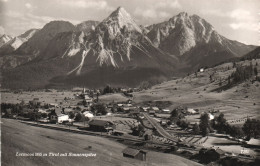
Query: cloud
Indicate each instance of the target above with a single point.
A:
(148, 13)
(245, 25)
(2, 30)
(164, 14)
(25, 21)
(151, 13)
(214, 12)
(94, 4)
(28, 5)
(243, 19)
(157, 9)
(168, 4)
(14, 14)
(240, 14)
(29, 16)
(239, 18)
(46, 19)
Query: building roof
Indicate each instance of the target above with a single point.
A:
(131, 151)
(60, 115)
(190, 110)
(96, 122)
(211, 117)
(253, 141)
(88, 114)
(219, 151)
(166, 110)
(126, 108)
(155, 108)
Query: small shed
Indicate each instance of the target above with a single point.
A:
(126, 109)
(166, 110)
(220, 152)
(88, 114)
(101, 125)
(134, 153)
(53, 118)
(145, 108)
(135, 112)
(152, 112)
(63, 118)
(253, 142)
(120, 105)
(53, 105)
(211, 117)
(191, 111)
(40, 110)
(155, 108)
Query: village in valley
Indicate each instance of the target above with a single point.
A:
(129, 83)
(143, 120)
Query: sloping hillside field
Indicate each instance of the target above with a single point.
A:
(18, 138)
(200, 92)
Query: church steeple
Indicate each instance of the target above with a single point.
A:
(84, 90)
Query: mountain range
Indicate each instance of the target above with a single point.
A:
(115, 51)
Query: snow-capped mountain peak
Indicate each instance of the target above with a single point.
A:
(28, 34)
(39, 41)
(120, 18)
(117, 51)
(16, 42)
(4, 39)
(181, 33)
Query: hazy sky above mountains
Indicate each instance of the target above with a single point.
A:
(234, 19)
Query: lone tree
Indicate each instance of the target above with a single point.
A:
(221, 124)
(251, 128)
(255, 71)
(196, 128)
(204, 125)
(44, 115)
(52, 113)
(79, 117)
(183, 124)
(71, 115)
(138, 130)
(236, 131)
(107, 89)
(210, 78)
(99, 109)
(177, 114)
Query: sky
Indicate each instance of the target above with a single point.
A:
(235, 19)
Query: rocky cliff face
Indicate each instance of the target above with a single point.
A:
(87, 26)
(16, 42)
(4, 39)
(117, 51)
(194, 41)
(36, 44)
(114, 50)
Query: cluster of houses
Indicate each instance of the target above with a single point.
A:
(99, 125)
